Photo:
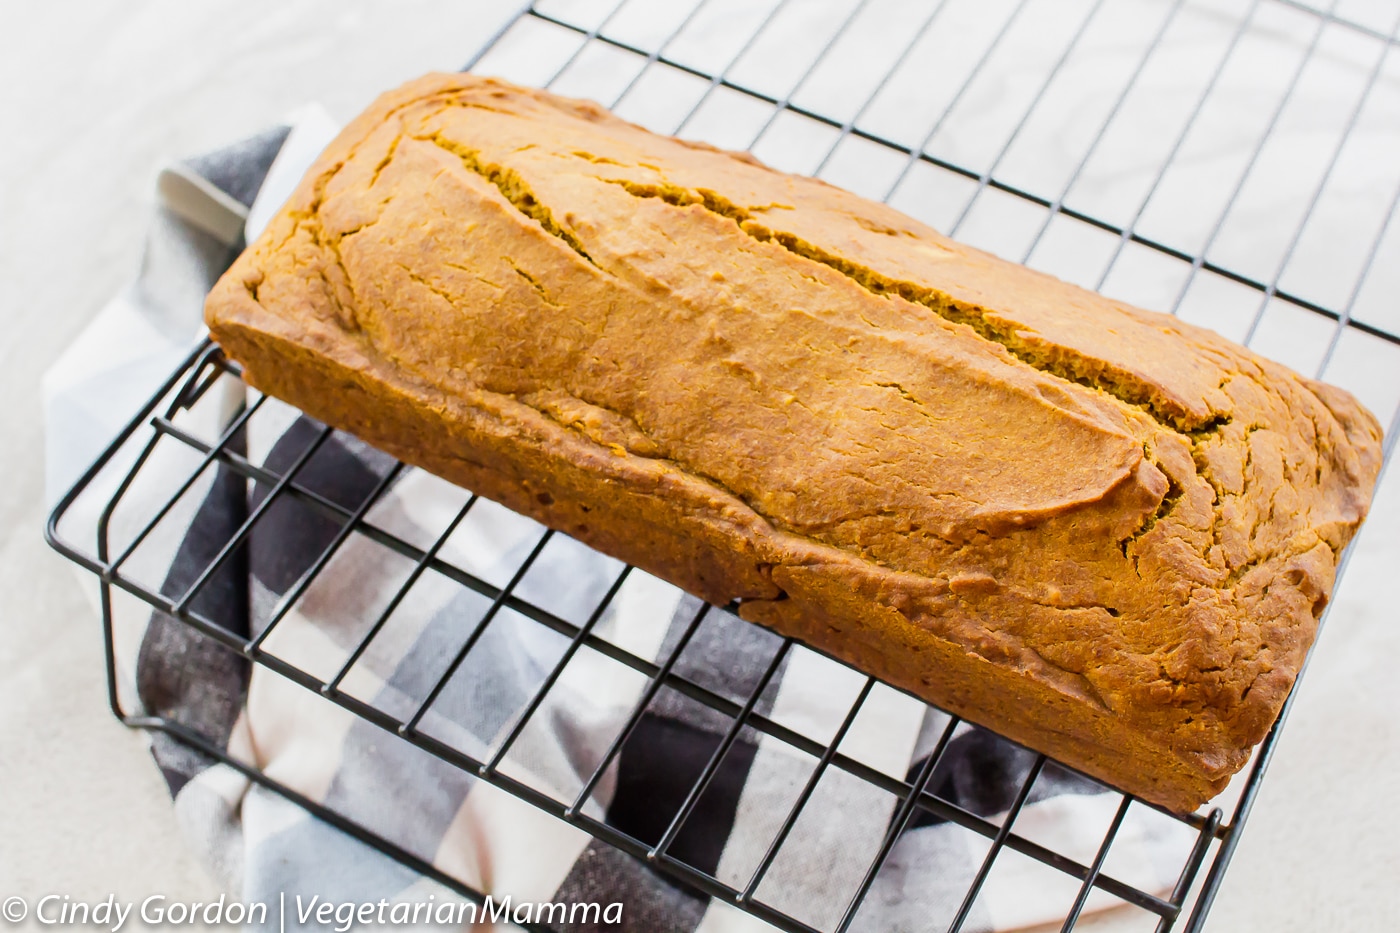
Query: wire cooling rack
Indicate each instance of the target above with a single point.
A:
(1235, 163)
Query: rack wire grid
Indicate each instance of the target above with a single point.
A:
(1236, 163)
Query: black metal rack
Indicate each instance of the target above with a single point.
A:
(562, 46)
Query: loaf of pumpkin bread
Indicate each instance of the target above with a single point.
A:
(1101, 531)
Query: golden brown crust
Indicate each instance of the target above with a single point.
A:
(1100, 530)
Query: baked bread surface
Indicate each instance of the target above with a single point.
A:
(1099, 530)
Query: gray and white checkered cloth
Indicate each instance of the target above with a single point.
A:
(262, 846)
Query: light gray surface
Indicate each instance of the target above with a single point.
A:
(96, 95)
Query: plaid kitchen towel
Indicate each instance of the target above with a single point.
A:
(262, 847)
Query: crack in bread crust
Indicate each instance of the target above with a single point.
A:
(1093, 374)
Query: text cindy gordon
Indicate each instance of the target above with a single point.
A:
(160, 910)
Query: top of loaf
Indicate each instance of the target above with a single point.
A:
(1166, 506)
